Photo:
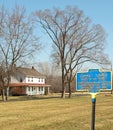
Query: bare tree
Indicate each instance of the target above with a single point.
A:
(75, 39)
(17, 40)
(2, 81)
(48, 69)
(53, 75)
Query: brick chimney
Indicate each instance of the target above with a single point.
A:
(33, 67)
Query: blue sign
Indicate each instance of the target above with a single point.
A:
(94, 81)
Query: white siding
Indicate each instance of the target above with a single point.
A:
(35, 90)
(35, 80)
(21, 78)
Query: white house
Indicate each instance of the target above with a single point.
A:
(28, 81)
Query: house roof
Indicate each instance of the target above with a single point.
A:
(28, 72)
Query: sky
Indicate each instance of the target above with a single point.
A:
(99, 11)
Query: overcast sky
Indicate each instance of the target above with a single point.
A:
(100, 12)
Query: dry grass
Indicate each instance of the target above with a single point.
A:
(56, 113)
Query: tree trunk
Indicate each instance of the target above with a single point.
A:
(3, 95)
(63, 92)
(70, 93)
(63, 80)
(7, 93)
(63, 89)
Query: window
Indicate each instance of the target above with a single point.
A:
(28, 88)
(32, 79)
(39, 80)
(41, 88)
(28, 79)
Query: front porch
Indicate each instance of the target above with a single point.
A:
(29, 89)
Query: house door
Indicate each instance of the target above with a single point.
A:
(34, 90)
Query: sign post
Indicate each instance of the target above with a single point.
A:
(94, 81)
(93, 111)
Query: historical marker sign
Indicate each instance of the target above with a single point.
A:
(94, 81)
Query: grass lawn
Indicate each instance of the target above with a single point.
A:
(55, 113)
